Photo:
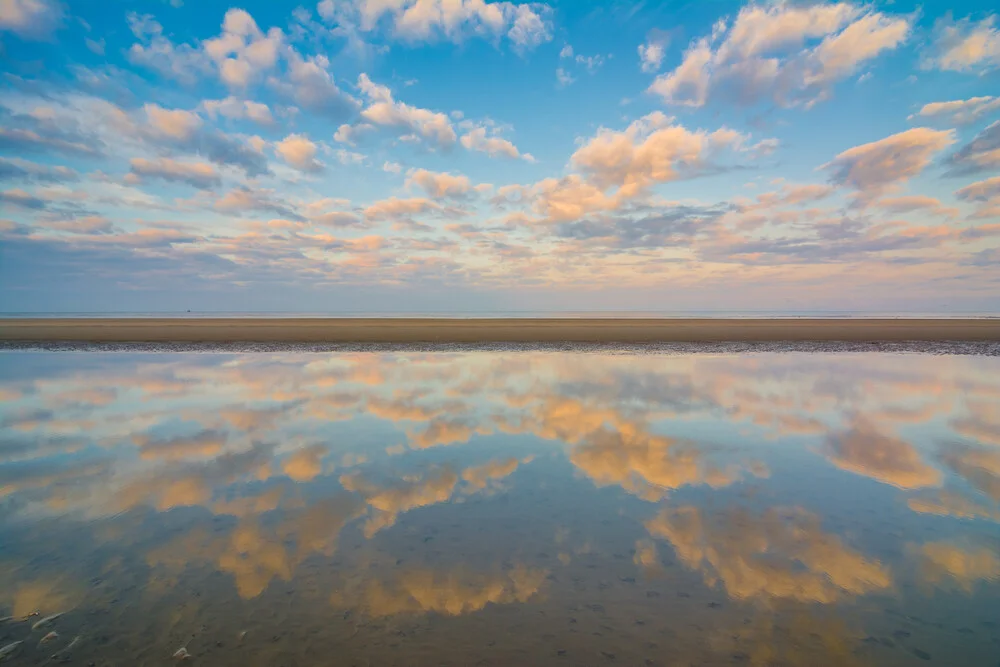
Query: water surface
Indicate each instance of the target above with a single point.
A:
(497, 508)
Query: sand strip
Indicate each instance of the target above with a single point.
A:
(441, 330)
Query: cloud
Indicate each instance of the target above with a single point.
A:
(476, 140)
(31, 19)
(563, 78)
(242, 52)
(388, 502)
(651, 53)
(764, 55)
(244, 199)
(980, 190)
(416, 21)
(298, 151)
(204, 444)
(173, 123)
(783, 553)
(439, 185)
(195, 174)
(884, 165)
(22, 199)
(43, 130)
(865, 451)
(980, 154)
(236, 109)
(183, 62)
(305, 464)
(651, 150)
(309, 83)
(947, 563)
(392, 167)
(25, 170)
(383, 110)
(448, 593)
(394, 208)
(960, 112)
(349, 134)
(964, 46)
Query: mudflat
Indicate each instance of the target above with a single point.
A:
(490, 330)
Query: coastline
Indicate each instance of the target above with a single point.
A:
(486, 330)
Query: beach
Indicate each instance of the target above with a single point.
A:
(490, 330)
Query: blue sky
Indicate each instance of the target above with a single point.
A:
(465, 155)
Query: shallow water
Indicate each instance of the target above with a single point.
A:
(500, 507)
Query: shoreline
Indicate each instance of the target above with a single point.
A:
(491, 330)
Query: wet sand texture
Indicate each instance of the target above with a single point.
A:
(548, 330)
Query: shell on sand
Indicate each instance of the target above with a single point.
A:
(45, 621)
(49, 637)
(181, 654)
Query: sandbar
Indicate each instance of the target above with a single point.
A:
(491, 330)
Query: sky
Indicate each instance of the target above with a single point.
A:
(478, 156)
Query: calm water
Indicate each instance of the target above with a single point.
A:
(487, 508)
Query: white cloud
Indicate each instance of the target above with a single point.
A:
(651, 56)
(765, 54)
(349, 134)
(566, 52)
(650, 150)
(417, 21)
(392, 167)
(960, 112)
(311, 85)
(476, 140)
(181, 62)
(563, 78)
(298, 151)
(882, 166)
(433, 127)
(242, 52)
(196, 174)
(31, 19)
(174, 123)
(237, 109)
(964, 45)
(439, 185)
(981, 190)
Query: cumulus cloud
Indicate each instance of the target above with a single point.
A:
(979, 155)
(439, 185)
(349, 134)
(181, 62)
(651, 53)
(173, 123)
(237, 109)
(882, 166)
(25, 170)
(431, 126)
(650, 150)
(415, 21)
(960, 112)
(243, 199)
(866, 451)
(394, 208)
(476, 140)
(964, 45)
(298, 151)
(309, 83)
(771, 52)
(31, 19)
(981, 190)
(242, 52)
(195, 174)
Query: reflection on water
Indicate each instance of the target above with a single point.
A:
(499, 508)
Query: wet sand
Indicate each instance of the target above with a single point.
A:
(506, 330)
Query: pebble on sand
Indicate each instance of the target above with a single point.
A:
(181, 654)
